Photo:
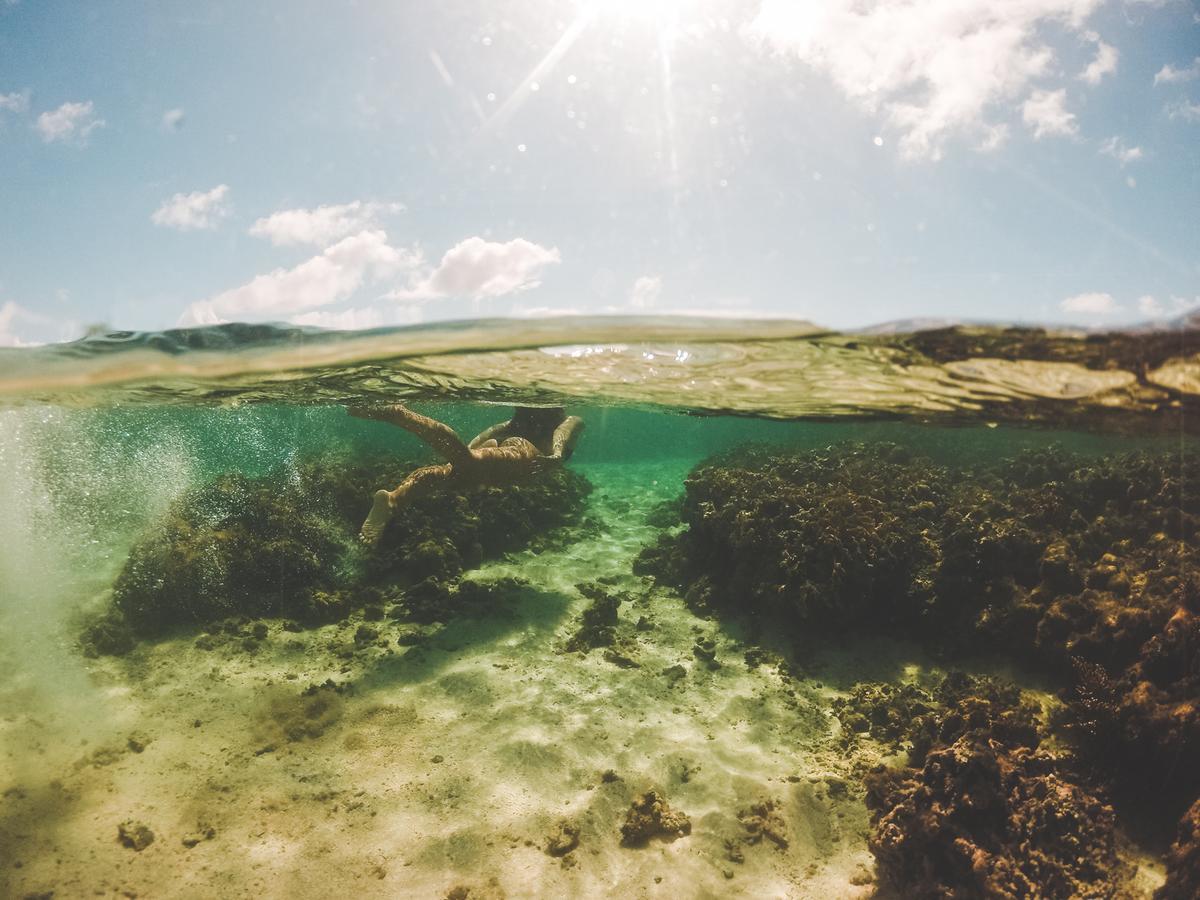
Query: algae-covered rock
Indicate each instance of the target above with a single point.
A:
(986, 812)
(1081, 566)
(1142, 726)
(1049, 555)
(285, 545)
(651, 816)
(832, 537)
(1183, 862)
(598, 622)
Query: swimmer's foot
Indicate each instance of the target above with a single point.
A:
(377, 519)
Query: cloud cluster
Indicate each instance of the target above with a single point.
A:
(475, 268)
(1184, 111)
(9, 313)
(330, 277)
(322, 225)
(14, 102)
(194, 211)
(1105, 62)
(71, 122)
(1120, 151)
(17, 323)
(936, 68)
(1091, 304)
(645, 293)
(1168, 74)
(1103, 305)
(1045, 112)
(479, 269)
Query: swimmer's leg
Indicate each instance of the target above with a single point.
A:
(566, 436)
(438, 435)
(417, 484)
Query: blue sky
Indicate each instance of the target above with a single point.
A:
(844, 161)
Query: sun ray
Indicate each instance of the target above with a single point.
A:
(544, 67)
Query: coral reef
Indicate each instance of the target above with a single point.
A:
(651, 816)
(1142, 726)
(1079, 566)
(986, 812)
(1183, 862)
(1055, 556)
(283, 545)
(886, 712)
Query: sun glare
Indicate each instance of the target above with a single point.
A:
(649, 11)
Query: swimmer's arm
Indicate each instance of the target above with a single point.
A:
(565, 437)
(497, 432)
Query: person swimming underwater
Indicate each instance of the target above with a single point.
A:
(529, 442)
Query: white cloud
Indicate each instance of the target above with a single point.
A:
(934, 68)
(172, 119)
(15, 102)
(323, 280)
(1117, 149)
(322, 225)
(477, 269)
(44, 328)
(1105, 62)
(521, 311)
(1046, 113)
(645, 293)
(1092, 304)
(9, 313)
(70, 122)
(1174, 306)
(1168, 74)
(1188, 112)
(188, 212)
(1148, 306)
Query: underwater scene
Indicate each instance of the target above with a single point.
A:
(600, 608)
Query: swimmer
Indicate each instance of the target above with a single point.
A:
(530, 442)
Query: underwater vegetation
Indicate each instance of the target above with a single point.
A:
(1082, 568)
(982, 810)
(284, 546)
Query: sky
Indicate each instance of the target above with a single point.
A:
(351, 165)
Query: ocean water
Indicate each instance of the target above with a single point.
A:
(770, 548)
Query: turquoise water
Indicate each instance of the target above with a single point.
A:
(458, 742)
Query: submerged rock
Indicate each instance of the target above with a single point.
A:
(651, 816)
(563, 839)
(762, 821)
(284, 545)
(598, 622)
(135, 835)
(987, 813)
(1052, 555)
(1082, 567)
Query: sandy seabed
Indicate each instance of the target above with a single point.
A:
(444, 765)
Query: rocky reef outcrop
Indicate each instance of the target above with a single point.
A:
(982, 810)
(1082, 567)
(284, 545)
